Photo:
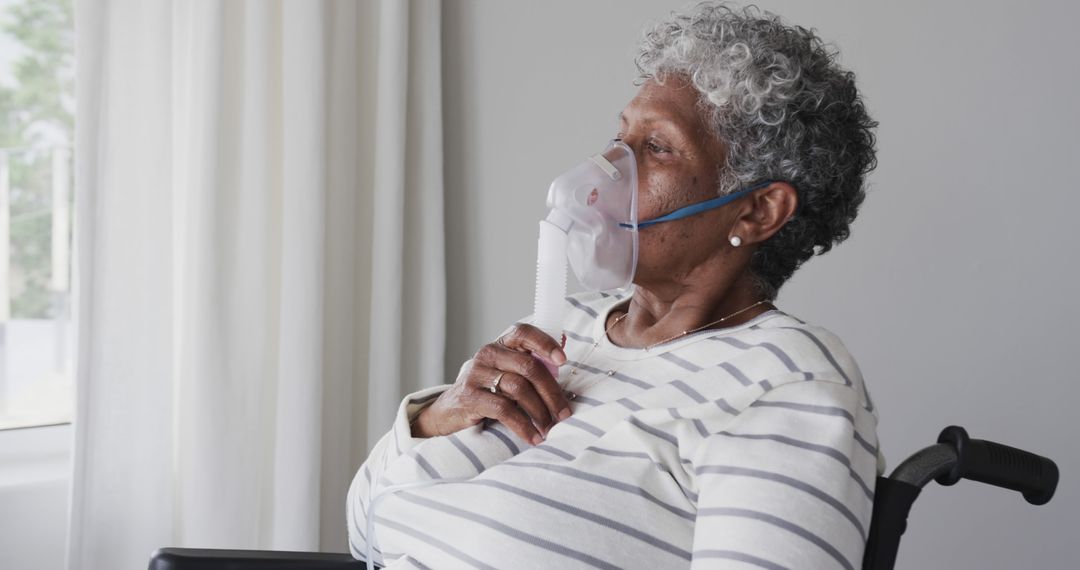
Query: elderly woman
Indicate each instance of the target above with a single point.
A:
(691, 422)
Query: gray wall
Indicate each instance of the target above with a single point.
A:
(957, 289)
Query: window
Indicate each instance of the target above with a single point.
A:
(37, 107)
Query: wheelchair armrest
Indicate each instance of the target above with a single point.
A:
(214, 559)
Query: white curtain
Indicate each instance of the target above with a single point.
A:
(259, 262)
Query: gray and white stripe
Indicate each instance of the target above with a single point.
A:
(679, 439)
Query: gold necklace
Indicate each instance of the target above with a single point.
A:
(619, 319)
(703, 327)
(596, 343)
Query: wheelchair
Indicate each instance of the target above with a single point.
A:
(955, 456)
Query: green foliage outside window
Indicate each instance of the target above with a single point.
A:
(36, 115)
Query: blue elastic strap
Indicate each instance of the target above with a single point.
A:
(699, 207)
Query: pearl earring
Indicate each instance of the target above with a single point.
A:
(736, 241)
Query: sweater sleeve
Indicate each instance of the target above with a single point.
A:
(788, 482)
(393, 447)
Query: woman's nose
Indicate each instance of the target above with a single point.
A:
(632, 141)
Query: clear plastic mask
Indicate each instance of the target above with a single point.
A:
(595, 203)
(593, 226)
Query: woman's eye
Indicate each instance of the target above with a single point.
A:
(651, 146)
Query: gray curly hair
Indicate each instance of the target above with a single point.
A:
(775, 95)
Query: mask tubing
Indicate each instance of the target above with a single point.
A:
(550, 280)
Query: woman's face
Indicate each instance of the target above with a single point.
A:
(679, 163)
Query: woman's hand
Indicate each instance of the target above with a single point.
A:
(528, 400)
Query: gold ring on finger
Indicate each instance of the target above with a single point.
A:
(495, 383)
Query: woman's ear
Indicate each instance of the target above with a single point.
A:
(765, 212)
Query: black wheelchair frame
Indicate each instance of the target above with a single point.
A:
(954, 457)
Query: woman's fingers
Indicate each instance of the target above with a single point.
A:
(520, 390)
(502, 363)
(528, 367)
(527, 400)
(524, 337)
(500, 408)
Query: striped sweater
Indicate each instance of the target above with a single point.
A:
(753, 446)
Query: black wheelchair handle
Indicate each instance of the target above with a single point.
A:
(1034, 476)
